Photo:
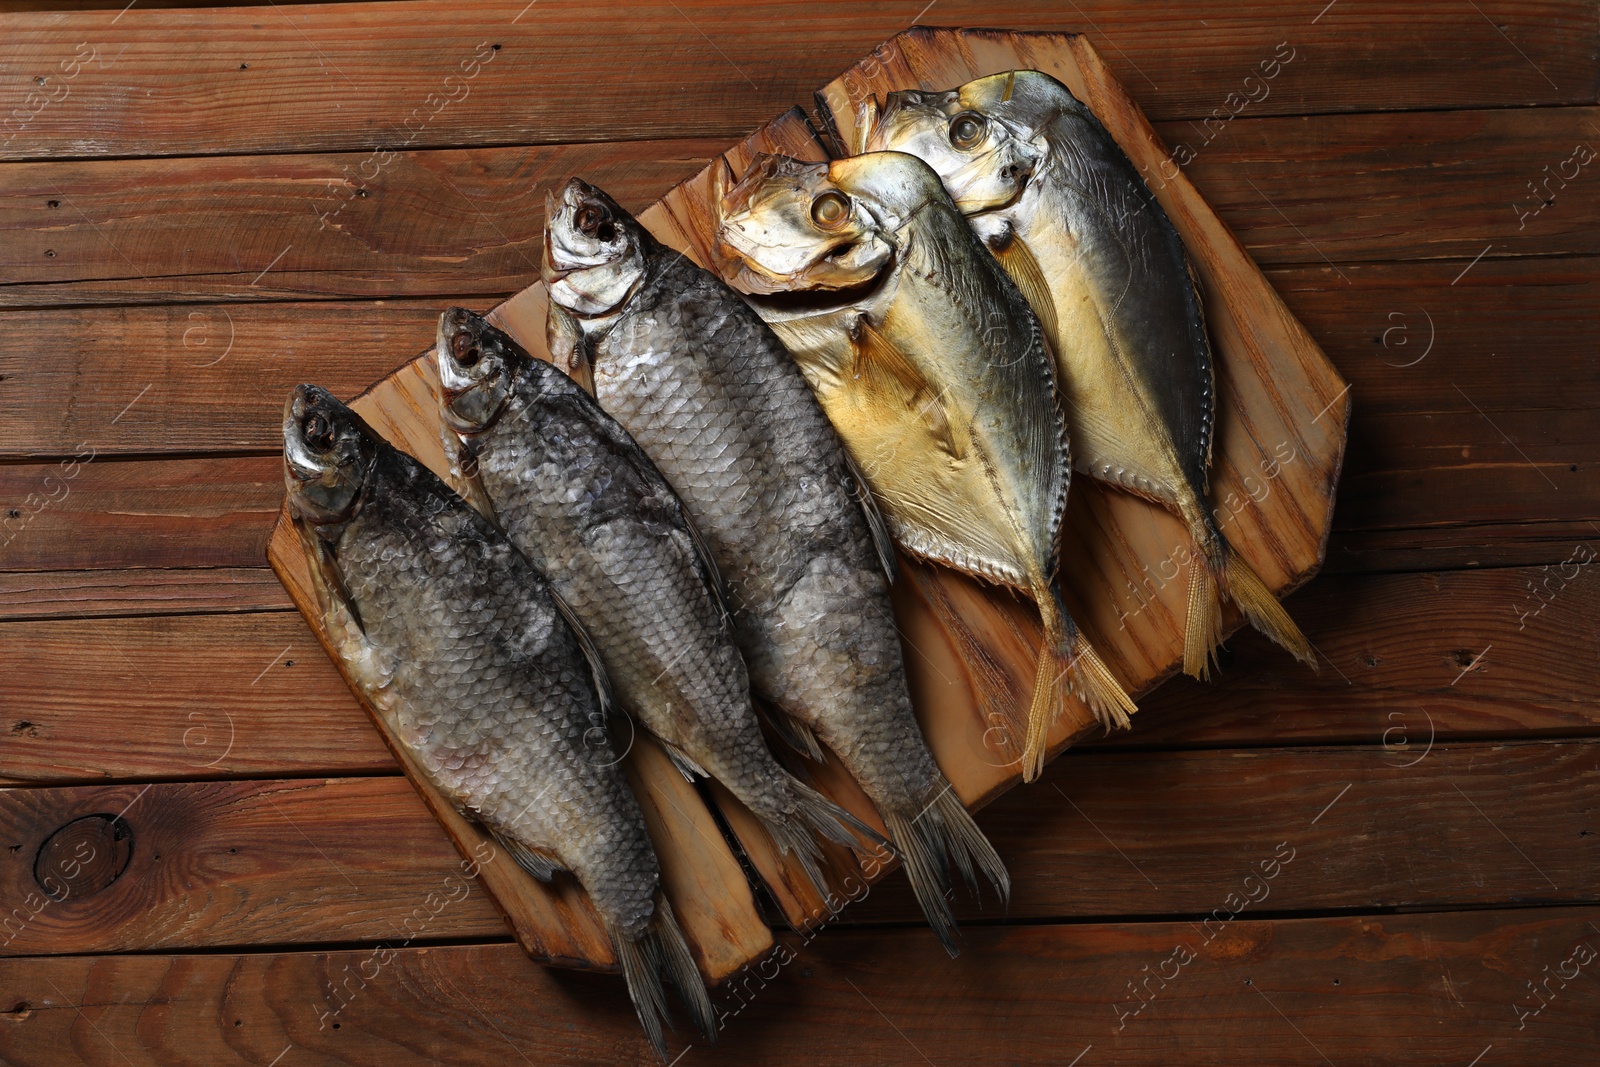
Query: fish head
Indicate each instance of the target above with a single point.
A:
(982, 139)
(788, 225)
(477, 364)
(327, 454)
(593, 250)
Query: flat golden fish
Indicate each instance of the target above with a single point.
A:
(1064, 211)
(929, 363)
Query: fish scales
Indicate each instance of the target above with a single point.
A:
(455, 638)
(582, 499)
(712, 396)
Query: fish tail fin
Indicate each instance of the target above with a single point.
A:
(1245, 588)
(928, 842)
(807, 814)
(662, 949)
(1202, 632)
(1067, 656)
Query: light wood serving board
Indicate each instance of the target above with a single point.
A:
(970, 649)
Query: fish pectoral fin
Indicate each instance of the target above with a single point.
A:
(876, 355)
(796, 734)
(568, 347)
(686, 766)
(875, 520)
(896, 383)
(339, 609)
(708, 565)
(597, 669)
(1024, 269)
(536, 862)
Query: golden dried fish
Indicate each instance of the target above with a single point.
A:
(1067, 215)
(929, 363)
(587, 507)
(711, 396)
(477, 668)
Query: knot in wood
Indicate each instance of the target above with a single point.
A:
(83, 857)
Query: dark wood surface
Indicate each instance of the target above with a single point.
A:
(143, 640)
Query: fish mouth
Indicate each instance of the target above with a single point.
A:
(471, 371)
(818, 299)
(458, 346)
(302, 463)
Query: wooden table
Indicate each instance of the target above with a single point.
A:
(1394, 861)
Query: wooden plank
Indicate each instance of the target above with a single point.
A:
(347, 76)
(1502, 544)
(1387, 327)
(1169, 832)
(111, 712)
(1428, 989)
(1480, 179)
(1437, 479)
(249, 228)
(1407, 658)
(182, 697)
(1472, 466)
(1437, 337)
(218, 375)
(204, 228)
(234, 863)
(105, 513)
(218, 864)
(101, 593)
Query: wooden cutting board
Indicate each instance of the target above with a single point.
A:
(970, 649)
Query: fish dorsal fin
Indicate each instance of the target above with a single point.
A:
(536, 863)
(796, 734)
(597, 669)
(875, 520)
(866, 121)
(686, 766)
(1024, 269)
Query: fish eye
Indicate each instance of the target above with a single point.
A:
(966, 130)
(595, 221)
(830, 210)
(318, 434)
(465, 352)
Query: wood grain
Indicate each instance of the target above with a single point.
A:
(1401, 334)
(110, 513)
(248, 228)
(286, 862)
(441, 222)
(1393, 989)
(175, 591)
(244, 863)
(183, 697)
(1445, 464)
(340, 77)
(1096, 845)
(139, 698)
